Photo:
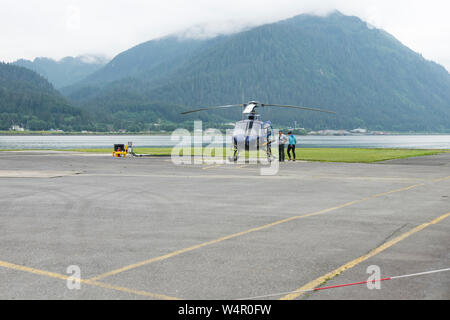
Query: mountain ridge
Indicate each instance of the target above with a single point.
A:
(65, 71)
(335, 62)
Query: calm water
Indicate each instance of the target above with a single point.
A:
(71, 142)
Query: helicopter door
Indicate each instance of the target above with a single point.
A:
(268, 136)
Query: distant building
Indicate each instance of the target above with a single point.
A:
(359, 130)
(16, 127)
(330, 132)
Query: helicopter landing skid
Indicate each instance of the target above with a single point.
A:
(235, 155)
(269, 153)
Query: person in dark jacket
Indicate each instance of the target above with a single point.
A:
(282, 139)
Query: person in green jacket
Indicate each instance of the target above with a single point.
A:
(291, 146)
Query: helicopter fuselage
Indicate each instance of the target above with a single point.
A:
(250, 134)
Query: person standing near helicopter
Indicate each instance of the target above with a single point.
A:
(291, 146)
(282, 139)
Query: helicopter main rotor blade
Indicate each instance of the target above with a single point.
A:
(296, 107)
(211, 108)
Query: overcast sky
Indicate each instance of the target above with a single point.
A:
(58, 28)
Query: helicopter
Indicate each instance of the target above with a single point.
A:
(251, 132)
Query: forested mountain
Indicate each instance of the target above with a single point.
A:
(336, 62)
(148, 60)
(28, 100)
(66, 71)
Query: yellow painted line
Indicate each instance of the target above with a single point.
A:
(258, 177)
(201, 245)
(17, 267)
(13, 266)
(441, 179)
(317, 282)
(235, 235)
(370, 178)
(210, 167)
(128, 290)
(395, 191)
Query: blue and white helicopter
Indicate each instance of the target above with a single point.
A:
(251, 133)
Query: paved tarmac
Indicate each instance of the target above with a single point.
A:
(144, 228)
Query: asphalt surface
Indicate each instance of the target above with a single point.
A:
(144, 228)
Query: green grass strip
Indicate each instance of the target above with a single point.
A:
(351, 155)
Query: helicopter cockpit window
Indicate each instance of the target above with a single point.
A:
(247, 128)
(240, 128)
(255, 130)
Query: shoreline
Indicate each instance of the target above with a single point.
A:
(62, 134)
(51, 133)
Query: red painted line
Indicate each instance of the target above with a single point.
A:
(350, 284)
